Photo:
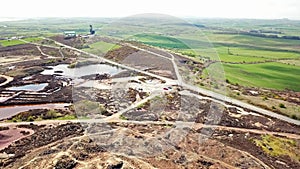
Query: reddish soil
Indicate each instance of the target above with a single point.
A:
(13, 134)
(42, 136)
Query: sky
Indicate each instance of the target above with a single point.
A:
(256, 9)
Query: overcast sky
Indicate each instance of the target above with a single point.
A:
(268, 9)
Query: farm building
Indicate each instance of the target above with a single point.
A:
(69, 34)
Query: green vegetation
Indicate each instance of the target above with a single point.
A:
(254, 42)
(160, 41)
(244, 55)
(101, 47)
(51, 114)
(188, 53)
(72, 65)
(266, 56)
(13, 42)
(85, 107)
(32, 39)
(48, 115)
(81, 63)
(122, 117)
(267, 75)
(168, 125)
(282, 106)
(67, 117)
(276, 146)
(51, 61)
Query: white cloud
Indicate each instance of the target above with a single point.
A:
(118, 8)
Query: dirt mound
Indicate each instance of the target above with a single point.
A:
(121, 53)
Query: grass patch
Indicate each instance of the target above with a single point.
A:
(6, 43)
(242, 54)
(67, 117)
(160, 41)
(259, 42)
(254, 52)
(267, 75)
(48, 115)
(282, 106)
(101, 47)
(33, 39)
(122, 117)
(85, 107)
(276, 146)
(188, 53)
(72, 65)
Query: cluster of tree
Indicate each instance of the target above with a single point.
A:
(265, 31)
(263, 35)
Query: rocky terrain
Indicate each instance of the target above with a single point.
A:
(130, 119)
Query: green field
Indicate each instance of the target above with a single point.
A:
(235, 54)
(14, 42)
(269, 54)
(33, 39)
(256, 42)
(267, 68)
(160, 41)
(101, 47)
(266, 75)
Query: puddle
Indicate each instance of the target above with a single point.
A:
(63, 70)
(27, 78)
(30, 87)
(9, 111)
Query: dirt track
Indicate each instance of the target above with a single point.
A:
(8, 80)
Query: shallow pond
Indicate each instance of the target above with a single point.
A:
(30, 87)
(63, 70)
